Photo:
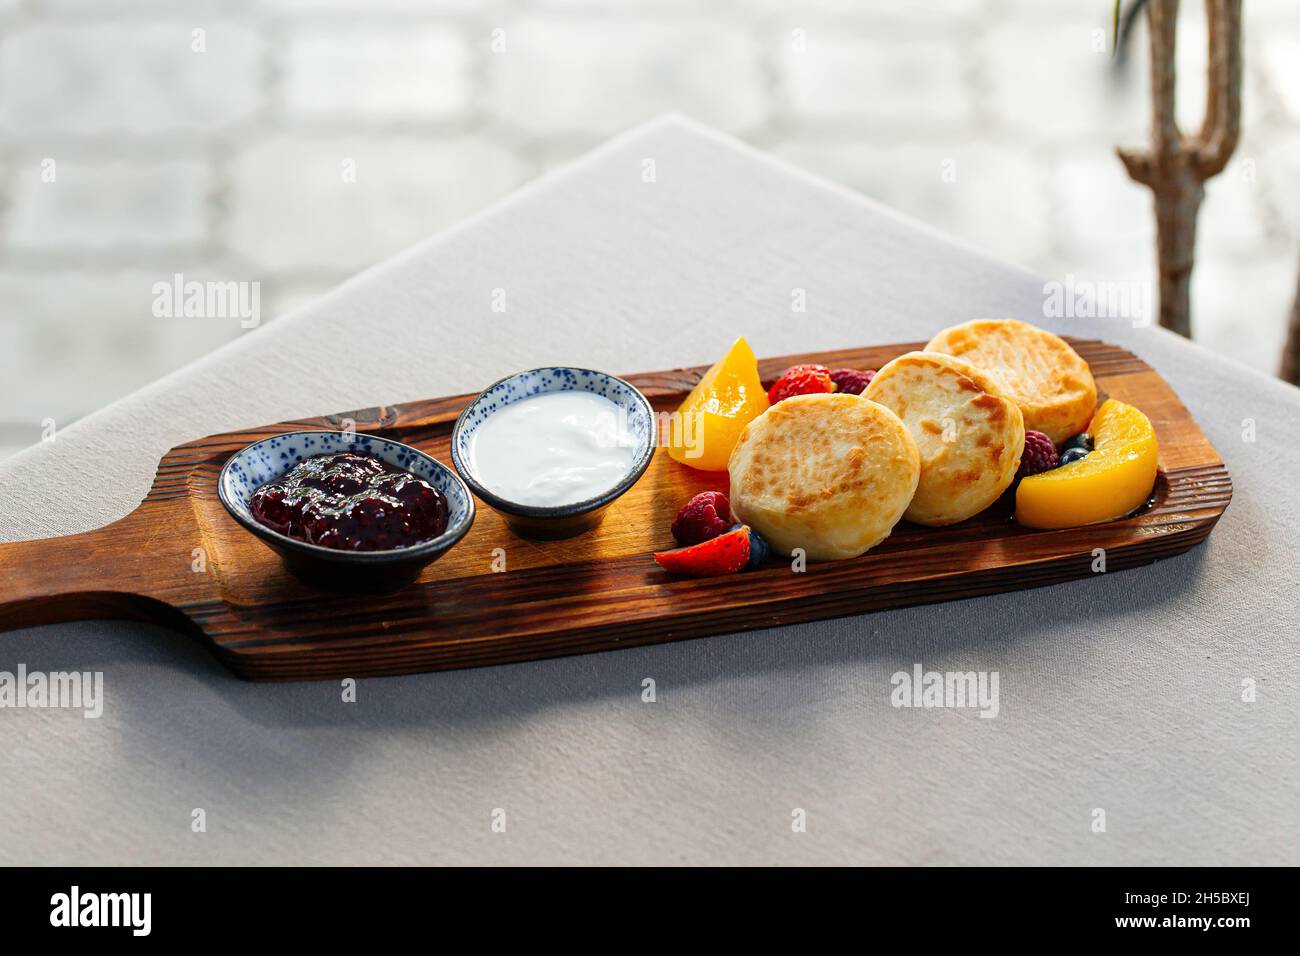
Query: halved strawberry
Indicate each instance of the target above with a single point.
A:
(725, 554)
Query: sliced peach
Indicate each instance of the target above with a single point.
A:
(708, 422)
(1112, 480)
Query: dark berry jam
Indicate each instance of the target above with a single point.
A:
(351, 502)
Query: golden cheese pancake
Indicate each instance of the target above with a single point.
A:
(1048, 380)
(830, 474)
(969, 434)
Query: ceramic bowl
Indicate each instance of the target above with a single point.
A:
(268, 459)
(554, 521)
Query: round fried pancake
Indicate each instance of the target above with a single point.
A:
(969, 434)
(1048, 380)
(830, 474)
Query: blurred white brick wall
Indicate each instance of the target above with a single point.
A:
(993, 120)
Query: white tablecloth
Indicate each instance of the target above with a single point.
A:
(1121, 693)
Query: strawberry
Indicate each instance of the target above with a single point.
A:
(801, 380)
(725, 554)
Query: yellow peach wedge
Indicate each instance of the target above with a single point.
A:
(1112, 480)
(711, 418)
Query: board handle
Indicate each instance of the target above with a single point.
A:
(77, 577)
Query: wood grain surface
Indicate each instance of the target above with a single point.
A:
(181, 560)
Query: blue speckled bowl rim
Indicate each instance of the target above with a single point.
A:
(556, 511)
(415, 552)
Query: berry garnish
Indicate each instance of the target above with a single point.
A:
(1072, 454)
(725, 554)
(1082, 440)
(851, 381)
(1039, 455)
(705, 516)
(801, 380)
(758, 550)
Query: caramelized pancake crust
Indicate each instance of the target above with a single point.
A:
(830, 474)
(1048, 380)
(969, 435)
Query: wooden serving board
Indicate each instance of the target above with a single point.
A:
(180, 559)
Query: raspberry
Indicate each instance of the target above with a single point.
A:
(1039, 455)
(705, 516)
(801, 380)
(850, 381)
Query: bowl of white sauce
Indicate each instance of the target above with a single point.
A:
(552, 448)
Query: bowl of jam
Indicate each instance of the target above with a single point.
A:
(341, 499)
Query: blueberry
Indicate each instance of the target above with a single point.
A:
(1082, 440)
(1073, 453)
(758, 550)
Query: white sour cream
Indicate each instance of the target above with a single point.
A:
(557, 448)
